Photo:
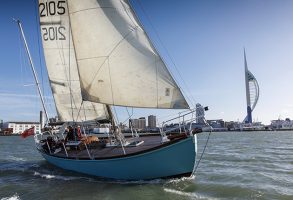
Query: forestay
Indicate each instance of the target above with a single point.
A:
(61, 64)
(117, 63)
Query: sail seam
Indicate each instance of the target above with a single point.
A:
(111, 82)
(95, 8)
(107, 57)
(69, 73)
(92, 57)
(114, 48)
(54, 48)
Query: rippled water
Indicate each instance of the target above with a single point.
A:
(247, 165)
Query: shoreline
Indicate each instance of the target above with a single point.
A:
(217, 131)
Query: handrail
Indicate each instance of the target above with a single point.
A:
(191, 111)
(180, 125)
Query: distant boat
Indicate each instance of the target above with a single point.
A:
(97, 56)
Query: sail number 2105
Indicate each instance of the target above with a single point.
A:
(50, 8)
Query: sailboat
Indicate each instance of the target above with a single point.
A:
(97, 56)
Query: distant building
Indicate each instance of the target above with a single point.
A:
(1, 124)
(152, 122)
(171, 127)
(200, 114)
(138, 124)
(252, 92)
(217, 123)
(53, 119)
(133, 123)
(19, 127)
(232, 126)
(279, 124)
(142, 123)
(195, 125)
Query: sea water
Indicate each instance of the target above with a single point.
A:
(235, 165)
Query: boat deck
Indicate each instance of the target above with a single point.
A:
(98, 150)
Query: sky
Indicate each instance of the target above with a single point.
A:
(202, 43)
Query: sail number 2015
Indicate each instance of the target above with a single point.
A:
(50, 8)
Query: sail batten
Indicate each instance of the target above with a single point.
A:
(117, 63)
(62, 66)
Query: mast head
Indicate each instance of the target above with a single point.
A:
(16, 20)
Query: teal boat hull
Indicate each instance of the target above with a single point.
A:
(177, 159)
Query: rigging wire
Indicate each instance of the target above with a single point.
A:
(203, 151)
(115, 119)
(84, 112)
(70, 88)
(78, 111)
(69, 68)
(39, 46)
(38, 31)
(21, 60)
(69, 72)
(129, 115)
(23, 69)
(192, 100)
(116, 116)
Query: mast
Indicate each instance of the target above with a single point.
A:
(33, 68)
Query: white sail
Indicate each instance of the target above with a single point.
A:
(117, 63)
(61, 64)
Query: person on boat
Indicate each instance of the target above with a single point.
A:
(70, 134)
(49, 145)
(78, 132)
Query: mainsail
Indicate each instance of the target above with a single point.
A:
(62, 66)
(117, 63)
